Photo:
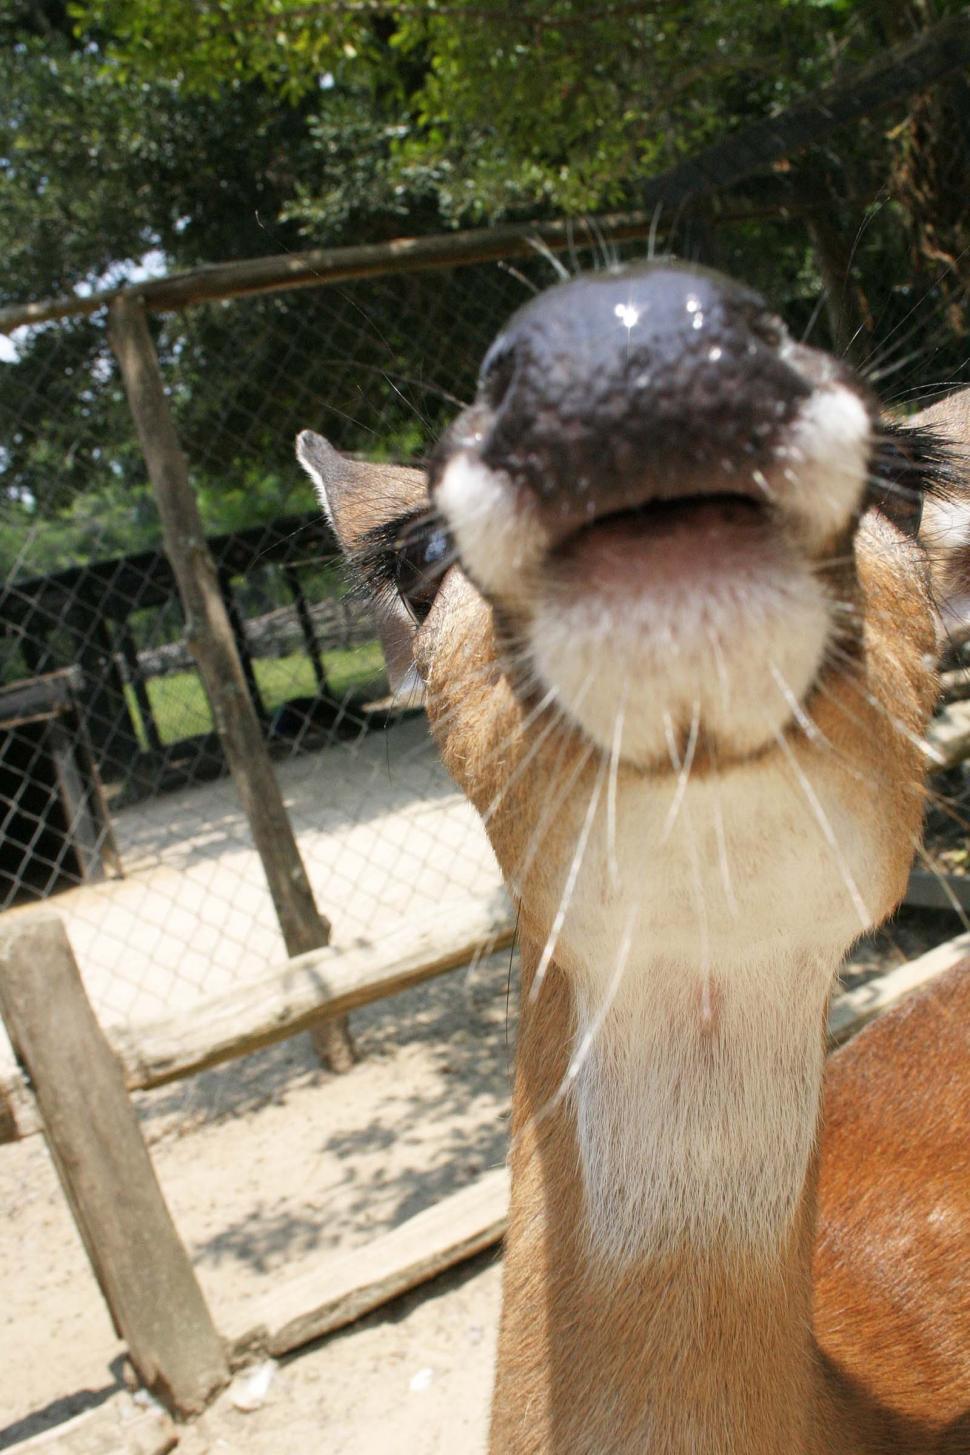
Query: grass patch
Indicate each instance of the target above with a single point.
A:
(181, 709)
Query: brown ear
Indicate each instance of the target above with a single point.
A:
(357, 497)
(945, 531)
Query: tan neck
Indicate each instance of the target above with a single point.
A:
(681, 1349)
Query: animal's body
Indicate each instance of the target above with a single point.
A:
(677, 618)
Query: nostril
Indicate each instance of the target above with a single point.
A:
(497, 372)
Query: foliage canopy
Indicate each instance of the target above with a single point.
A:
(140, 136)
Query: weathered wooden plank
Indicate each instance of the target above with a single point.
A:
(249, 276)
(344, 1288)
(303, 991)
(852, 1009)
(106, 1173)
(310, 988)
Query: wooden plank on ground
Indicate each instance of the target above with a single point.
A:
(305, 990)
(853, 1009)
(344, 1288)
(105, 1171)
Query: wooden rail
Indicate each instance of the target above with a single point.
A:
(302, 992)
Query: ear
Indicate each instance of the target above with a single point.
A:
(945, 531)
(358, 498)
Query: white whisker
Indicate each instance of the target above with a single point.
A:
(681, 769)
(613, 867)
(566, 898)
(858, 904)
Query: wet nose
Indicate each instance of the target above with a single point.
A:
(635, 384)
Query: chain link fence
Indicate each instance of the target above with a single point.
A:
(115, 802)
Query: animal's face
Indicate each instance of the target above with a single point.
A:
(666, 541)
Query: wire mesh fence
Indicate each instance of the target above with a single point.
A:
(113, 787)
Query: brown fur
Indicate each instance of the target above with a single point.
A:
(714, 1353)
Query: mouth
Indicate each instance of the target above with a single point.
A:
(648, 545)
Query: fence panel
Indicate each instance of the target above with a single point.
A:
(136, 830)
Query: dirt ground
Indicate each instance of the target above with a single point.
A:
(270, 1162)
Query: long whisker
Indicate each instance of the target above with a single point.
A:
(588, 1039)
(527, 758)
(905, 731)
(613, 867)
(858, 904)
(555, 801)
(681, 769)
(566, 898)
(722, 854)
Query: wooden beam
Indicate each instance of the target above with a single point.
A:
(213, 644)
(310, 988)
(333, 981)
(853, 1009)
(344, 1288)
(302, 992)
(250, 276)
(107, 1176)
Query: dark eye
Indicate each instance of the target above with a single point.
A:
(422, 553)
(904, 466)
(900, 504)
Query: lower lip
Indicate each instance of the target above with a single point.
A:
(665, 543)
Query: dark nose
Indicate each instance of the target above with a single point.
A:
(639, 384)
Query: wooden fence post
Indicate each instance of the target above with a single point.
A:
(105, 1170)
(210, 639)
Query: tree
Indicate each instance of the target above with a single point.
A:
(102, 179)
(164, 136)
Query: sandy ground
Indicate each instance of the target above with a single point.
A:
(270, 1162)
(267, 1163)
